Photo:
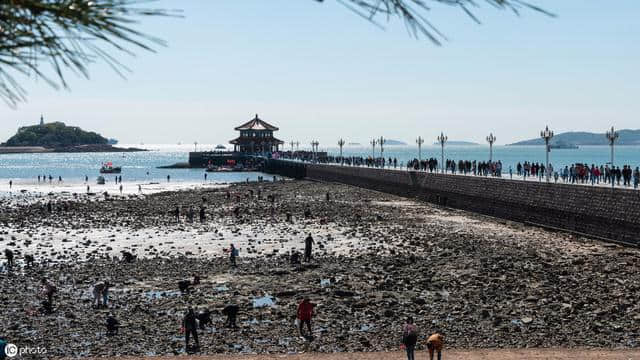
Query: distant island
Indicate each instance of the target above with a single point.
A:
(58, 137)
(394, 142)
(575, 138)
(460, 143)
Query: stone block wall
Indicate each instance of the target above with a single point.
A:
(593, 211)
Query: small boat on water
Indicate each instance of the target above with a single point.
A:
(100, 180)
(221, 147)
(108, 168)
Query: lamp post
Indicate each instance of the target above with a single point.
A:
(442, 138)
(297, 145)
(547, 134)
(341, 143)
(314, 147)
(195, 146)
(292, 143)
(419, 141)
(491, 139)
(373, 143)
(612, 135)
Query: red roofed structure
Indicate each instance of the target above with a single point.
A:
(256, 136)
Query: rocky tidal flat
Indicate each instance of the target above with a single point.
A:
(482, 282)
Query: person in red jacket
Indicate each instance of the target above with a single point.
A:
(305, 313)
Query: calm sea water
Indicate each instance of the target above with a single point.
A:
(74, 166)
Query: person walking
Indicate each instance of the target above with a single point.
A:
(435, 343)
(48, 290)
(305, 314)
(189, 324)
(410, 338)
(8, 253)
(308, 244)
(233, 254)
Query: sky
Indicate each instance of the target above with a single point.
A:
(320, 72)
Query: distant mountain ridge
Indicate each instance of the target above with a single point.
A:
(627, 137)
(458, 142)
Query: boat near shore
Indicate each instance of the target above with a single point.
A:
(108, 168)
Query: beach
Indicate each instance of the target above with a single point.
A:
(482, 282)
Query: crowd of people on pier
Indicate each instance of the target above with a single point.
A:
(579, 173)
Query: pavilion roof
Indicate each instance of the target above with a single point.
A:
(256, 141)
(257, 124)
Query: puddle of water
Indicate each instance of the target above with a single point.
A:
(221, 288)
(325, 282)
(264, 301)
(366, 327)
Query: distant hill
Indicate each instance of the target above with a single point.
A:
(627, 137)
(395, 142)
(454, 142)
(54, 135)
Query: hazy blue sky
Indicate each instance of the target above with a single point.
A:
(319, 72)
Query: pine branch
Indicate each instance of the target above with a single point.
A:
(414, 12)
(68, 35)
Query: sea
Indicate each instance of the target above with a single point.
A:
(142, 167)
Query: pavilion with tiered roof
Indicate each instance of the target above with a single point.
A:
(256, 136)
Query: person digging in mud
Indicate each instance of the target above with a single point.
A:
(295, 258)
(185, 285)
(435, 342)
(112, 325)
(305, 313)
(128, 257)
(328, 197)
(29, 260)
(231, 311)
(48, 289)
(189, 324)
(204, 319)
(98, 288)
(308, 244)
(9, 255)
(307, 213)
(177, 213)
(409, 338)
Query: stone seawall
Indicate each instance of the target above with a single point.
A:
(593, 211)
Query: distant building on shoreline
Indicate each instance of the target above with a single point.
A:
(256, 136)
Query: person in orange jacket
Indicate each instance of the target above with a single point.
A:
(435, 342)
(305, 313)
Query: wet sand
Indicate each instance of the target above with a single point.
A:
(483, 282)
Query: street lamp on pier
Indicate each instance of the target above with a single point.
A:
(195, 146)
(341, 143)
(419, 141)
(373, 143)
(547, 134)
(491, 139)
(381, 142)
(314, 147)
(442, 138)
(612, 135)
(297, 145)
(292, 143)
